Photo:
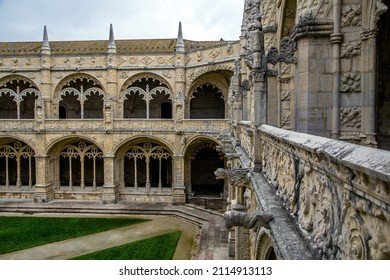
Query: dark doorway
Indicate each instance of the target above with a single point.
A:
(203, 180)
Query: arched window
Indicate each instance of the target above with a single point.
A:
(144, 99)
(17, 99)
(83, 99)
(17, 165)
(148, 166)
(207, 103)
(81, 165)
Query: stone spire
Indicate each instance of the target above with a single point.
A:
(180, 40)
(111, 43)
(45, 49)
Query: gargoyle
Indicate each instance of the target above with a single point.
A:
(247, 220)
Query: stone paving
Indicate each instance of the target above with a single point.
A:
(212, 243)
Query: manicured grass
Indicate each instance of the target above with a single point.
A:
(17, 233)
(161, 247)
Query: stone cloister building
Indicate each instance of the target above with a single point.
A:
(289, 125)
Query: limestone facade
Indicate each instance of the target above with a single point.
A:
(289, 124)
(112, 120)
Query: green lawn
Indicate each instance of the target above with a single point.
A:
(161, 247)
(17, 233)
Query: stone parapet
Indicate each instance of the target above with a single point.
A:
(337, 193)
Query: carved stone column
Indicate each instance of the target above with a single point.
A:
(108, 115)
(178, 188)
(43, 188)
(336, 38)
(110, 188)
(369, 87)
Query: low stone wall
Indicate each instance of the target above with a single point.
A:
(337, 193)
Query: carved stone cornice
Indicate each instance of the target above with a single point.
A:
(309, 26)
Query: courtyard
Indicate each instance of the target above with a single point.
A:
(202, 236)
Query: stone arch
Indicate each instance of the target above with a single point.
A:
(51, 147)
(142, 96)
(18, 96)
(265, 249)
(76, 165)
(208, 94)
(83, 96)
(201, 159)
(209, 69)
(144, 165)
(17, 165)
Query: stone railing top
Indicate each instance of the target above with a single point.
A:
(371, 161)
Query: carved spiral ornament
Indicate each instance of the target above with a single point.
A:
(358, 249)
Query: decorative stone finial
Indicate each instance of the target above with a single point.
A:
(111, 43)
(180, 40)
(45, 50)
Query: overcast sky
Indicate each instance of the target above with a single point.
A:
(23, 20)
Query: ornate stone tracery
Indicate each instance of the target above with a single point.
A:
(17, 151)
(147, 152)
(81, 151)
(19, 90)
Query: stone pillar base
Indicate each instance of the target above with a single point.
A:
(43, 193)
(178, 196)
(110, 194)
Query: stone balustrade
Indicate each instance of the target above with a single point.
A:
(337, 193)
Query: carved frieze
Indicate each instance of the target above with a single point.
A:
(214, 53)
(146, 60)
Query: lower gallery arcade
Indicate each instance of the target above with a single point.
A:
(143, 170)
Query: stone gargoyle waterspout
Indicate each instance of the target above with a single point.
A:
(247, 220)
